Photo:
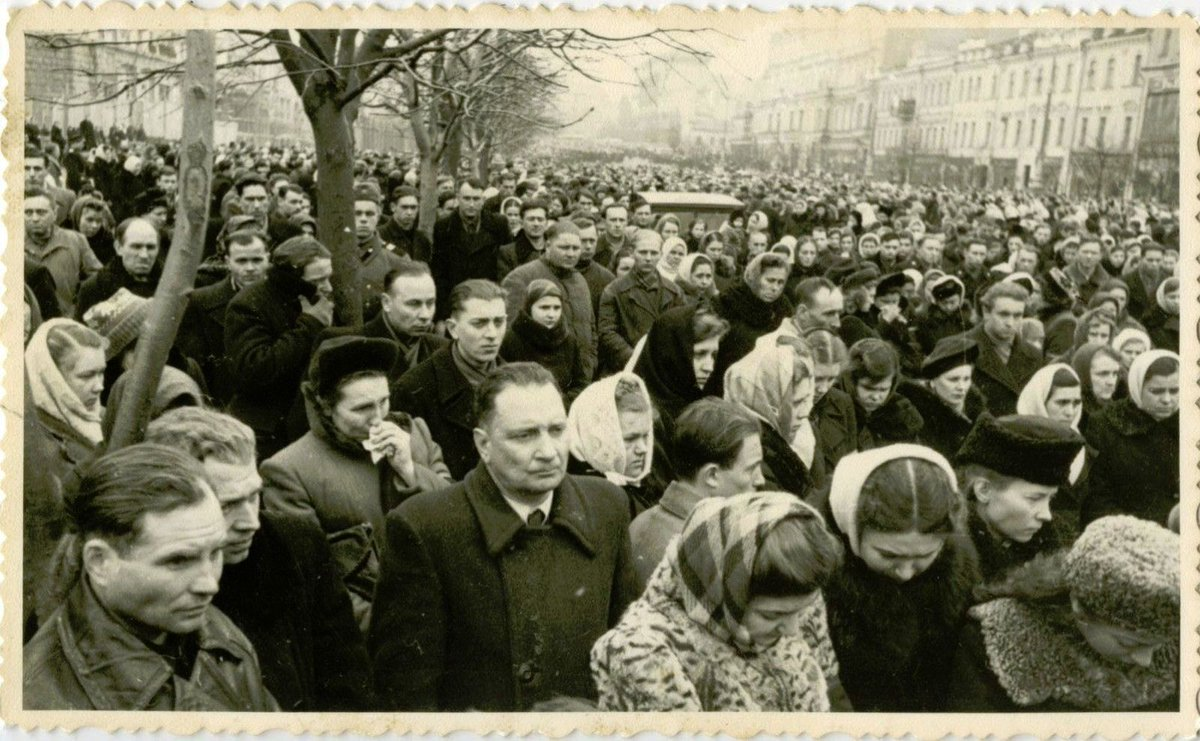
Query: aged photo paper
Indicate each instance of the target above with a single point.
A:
(1068, 113)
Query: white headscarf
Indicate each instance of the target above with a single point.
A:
(1137, 372)
(1130, 333)
(51, 393)
(852, 472)
(1032, 402)
(594, 429)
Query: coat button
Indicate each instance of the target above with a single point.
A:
(527, 672)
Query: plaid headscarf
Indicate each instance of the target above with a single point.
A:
(714, 557)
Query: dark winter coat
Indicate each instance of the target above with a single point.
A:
(83, 659)
(414, 350)
(598, 277)
(410, 242)
(1163, 328)
(936, 324)
(1001, 383)
(944, 429)
(893, 640)
(749, 318)
(438, 393)
(844, 428)
(202, 337)
(287, 596)
(999, 555)
(269, 342)
(577, 316)
(517, 252)
(459, 254)
(1136, 468)
(476, 610)
(112, 278)
(627, 309)
(1010, 659)
(1141, 293)
(556, 350)
(782, 468)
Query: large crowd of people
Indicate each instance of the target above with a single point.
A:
(857, 446)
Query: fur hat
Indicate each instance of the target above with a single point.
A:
(861, 277)
(338, 357)
(945, 287)
(1125, 571)
(118, 319)
(949, 353)
(368, 191)
(299, 251)
(1025, 447)
(891, 283)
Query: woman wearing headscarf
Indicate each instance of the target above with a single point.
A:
(539, 335)
(753, 308)
(775, 383)
(1136, 468)
(945, 396)
(1099, 370)
(610, 429)
(674, 249)
(695, 279)
(906, 583)
(724, 260)
(1130, 343)
(1056, 393)
(1162, 320)
(1095, 326)
(733, 617)
(1092, 629)
(877, 415)
(175, 389)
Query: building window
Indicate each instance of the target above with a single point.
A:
(1032, 130)
(987, 134)
(1127, 132)
(1110, 69)
(995, 78)
(1083, 131)
(1017, 134)
(1003, 132)
(1067, 78)
(1091, 76)
(1062, 126)
(1012, 83)
(1137, 69)
(1025, 84)
(1100, 131)
(1038, 82)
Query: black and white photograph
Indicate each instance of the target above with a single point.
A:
(817, 365)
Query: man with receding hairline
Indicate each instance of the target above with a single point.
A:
(492, 592)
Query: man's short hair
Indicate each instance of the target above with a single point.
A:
(533, 204)
(524, 187)
(509, 374)
(291, 188)
(475, 288)
(473, 183)
(558, 228)
(36, 191)
(1003, 289)
(204, 434)
(246, 181)
(404, 191)
(406, 269)
(583, 222)
(806, 290)
(245, 237)
(123, 227)
(710, 430)
(117, 490)
(611, 206)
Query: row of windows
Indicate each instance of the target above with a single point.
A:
(1013, 133)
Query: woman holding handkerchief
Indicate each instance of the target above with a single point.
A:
(358, 460)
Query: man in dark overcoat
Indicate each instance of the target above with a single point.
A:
(493, 591)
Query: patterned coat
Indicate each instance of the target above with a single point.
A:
(660, 659)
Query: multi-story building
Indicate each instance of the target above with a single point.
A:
(129, 79)
(1156, 168)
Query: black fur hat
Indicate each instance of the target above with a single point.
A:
(1031, 448)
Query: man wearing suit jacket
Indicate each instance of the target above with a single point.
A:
(492, 591)
(408, 303)
(466, 244)
(1006, 362)
(441, 390)
(631, 303)
(202, 332)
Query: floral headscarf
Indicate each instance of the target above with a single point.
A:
(594, 429)
(762, 383)
(713, 558)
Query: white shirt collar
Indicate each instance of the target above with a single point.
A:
(524, 509)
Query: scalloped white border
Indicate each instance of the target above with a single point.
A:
(297, 12)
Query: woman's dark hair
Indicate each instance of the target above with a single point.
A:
(707, 431)
(1164, 366)
(539, 289)
(709, 238)
(117, 490)
(797, 556)
(873, 360)
(707, 325)
(1063, 379)
(909, 495)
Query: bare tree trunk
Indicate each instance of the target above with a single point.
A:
(191, 221)
(335, 202)
(485, 159)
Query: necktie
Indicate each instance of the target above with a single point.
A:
(536, 518)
